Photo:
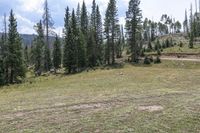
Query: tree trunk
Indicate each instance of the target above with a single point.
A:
(11, 76)
(113, 49)
(108, 50)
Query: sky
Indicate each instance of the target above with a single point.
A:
(29, 12)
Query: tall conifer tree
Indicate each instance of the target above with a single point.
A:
(38, 49)
(57, 53)
(84, 20)
(111, 27)
(133, 27)
(48, 24)
(14, 59)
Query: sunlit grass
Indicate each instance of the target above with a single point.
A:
(106, 101)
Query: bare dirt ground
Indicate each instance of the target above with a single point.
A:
(192, 57)
(150, 108)
(180, 59)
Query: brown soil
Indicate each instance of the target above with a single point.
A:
(153, 108)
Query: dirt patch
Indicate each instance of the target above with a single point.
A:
(153, 108)
(58, 107)
(89, 106)
(180, 59)
(60, 104)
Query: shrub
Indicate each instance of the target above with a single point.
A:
(171, 42)
(151, 58)
(167, 44)
(142, 53)
(148, 50)
(163, 45)
(181, 44)
(158, 52)
(147, 61)
(157, 60)
(128, 52)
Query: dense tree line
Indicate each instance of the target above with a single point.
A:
(87, 41)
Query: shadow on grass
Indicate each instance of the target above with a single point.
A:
(113, 66)
(139, 64)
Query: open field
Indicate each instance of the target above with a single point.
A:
(184, 49)
(147, 99)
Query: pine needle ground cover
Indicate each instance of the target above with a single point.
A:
(157, 98)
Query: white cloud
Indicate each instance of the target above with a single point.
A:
(24, 25)
(34, 6)
(59, 31)
(122, 20)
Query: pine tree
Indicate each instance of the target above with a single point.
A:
(85, 28)
(133, 27)
(93, 29)
(107, 36)
(70, 48)
(120, 43)
(167, 43)
(47, 58)
(75, 36)
(2, 80)
(177, 27)
(91, 56)
(149, 45)
(14, 59)
(37, 50)
(66, 39)
(146, 29)
(152, 31)
(185, 23)
(99, 36)
(26, 55)
(48, 24)
(111, 27)
(68, 57)
(93, 15)
(191, 29)
(4, 51)
(81, 50)
(157, 45)
(57, 54)
(78, 16)
(191, 41)
(67, 22)
(84, 20)
(114, 26)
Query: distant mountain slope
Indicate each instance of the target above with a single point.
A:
(27, 39)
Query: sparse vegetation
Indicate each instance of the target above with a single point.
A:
(99, 76)
(163, 98)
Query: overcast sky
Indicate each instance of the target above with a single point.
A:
(29, 12)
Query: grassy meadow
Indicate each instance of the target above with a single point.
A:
(132, 98)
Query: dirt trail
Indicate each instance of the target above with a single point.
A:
(180, 59)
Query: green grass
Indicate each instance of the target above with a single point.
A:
(106, 101)
(177, 49)
(184, 49)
